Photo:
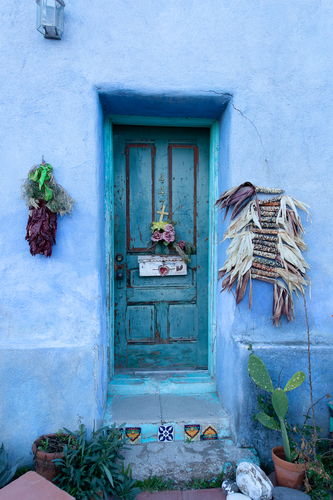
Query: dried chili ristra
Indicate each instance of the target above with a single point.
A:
(41, 230)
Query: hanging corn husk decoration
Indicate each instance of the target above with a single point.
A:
(45, 199)
(266, 244)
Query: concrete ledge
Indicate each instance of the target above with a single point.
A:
(31, 486)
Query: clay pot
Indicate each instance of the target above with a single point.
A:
(287, 474)
(43, 461)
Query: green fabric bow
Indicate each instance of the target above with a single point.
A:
(41, 175)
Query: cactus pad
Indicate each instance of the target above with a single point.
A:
(295, 381)
(258, 372)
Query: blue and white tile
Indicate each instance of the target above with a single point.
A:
(166, 433)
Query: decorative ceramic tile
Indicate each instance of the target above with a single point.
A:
(192, 432)
(209, 433)
(165, 433)
(133, 434)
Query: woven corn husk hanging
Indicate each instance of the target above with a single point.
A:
(266, 244)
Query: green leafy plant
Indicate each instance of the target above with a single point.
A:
(203, 484)
(55, 443)
(90, 469)
(259, 374)
(319, 468)
(189, 440)
(155, 483)
(6, 472)
(44, 444)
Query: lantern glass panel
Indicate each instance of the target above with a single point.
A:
(48, 11)
(59, 18)
(39, 17)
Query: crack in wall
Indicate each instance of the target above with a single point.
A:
(253, 125)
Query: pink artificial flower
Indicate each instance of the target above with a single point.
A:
(181, 243)
(157, 236)
(168, 236)
(169, 228)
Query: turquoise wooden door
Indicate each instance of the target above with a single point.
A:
(161, 322)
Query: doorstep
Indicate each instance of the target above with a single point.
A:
(168, 417)
(175, 426)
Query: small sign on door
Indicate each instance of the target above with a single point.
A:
(161, 265)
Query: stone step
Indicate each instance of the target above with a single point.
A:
(161, 382)
(183, 462)
(168, 417)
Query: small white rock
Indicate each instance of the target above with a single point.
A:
(237, 496)
(252, 481)
(229, 486)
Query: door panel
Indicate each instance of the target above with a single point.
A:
(140, 193)
(161, 322)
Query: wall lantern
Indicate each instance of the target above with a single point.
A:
(50, 18)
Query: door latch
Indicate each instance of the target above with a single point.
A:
(120, 274)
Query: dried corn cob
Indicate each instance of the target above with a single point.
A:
(261, 260)
(266, 237)
(263, 248)
(269, 274)
(263, 267)
(261, 189)
(269, 225)
(265, 208)
(270, 204)
(270, 200)
(268, 218)
(267, 255)
(255, 229)
(259, 241)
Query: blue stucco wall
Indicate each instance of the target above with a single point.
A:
(187, 58)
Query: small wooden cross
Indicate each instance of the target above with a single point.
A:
(163, 213)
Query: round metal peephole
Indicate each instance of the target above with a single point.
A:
(119, 257)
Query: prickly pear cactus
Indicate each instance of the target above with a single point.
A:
(280, 403)
(258, 372)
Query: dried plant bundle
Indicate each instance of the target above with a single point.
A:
(41, 230)
(266, 245)
(45, 199)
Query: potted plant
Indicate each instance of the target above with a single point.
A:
(287, 472)
(48, 447)
(92, 471)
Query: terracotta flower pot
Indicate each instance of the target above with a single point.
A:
(43, 461)
(287, 474)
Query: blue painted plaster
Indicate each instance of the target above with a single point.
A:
(179, 58)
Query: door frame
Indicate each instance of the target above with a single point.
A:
(213, 125)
